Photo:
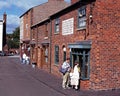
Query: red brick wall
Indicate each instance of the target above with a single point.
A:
(104, 33)
(60, 40)
(105, 49)
(105, 56)
(27, 25)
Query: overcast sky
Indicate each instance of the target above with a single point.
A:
(14, 9)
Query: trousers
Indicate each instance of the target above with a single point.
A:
(66, 80)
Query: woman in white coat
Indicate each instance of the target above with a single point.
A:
(75, 76)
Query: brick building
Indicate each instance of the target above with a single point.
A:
(86, 31)
(33, 16)
(89, 32)
(25, 24)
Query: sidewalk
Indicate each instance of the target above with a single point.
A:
(55, 83)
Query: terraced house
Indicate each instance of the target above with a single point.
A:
(86, 31)
(33, 16)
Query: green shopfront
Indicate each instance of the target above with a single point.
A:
(80, 51)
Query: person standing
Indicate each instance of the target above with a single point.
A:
(66, 78)
(27, 60)
(24, 58)
(75, 76)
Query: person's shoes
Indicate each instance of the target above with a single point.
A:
(64, 87)
(76, 89)
(73, 87)
(68, 87)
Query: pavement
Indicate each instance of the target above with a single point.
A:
(55, 83)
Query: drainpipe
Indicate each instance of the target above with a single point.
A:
(31, 39)
(37, 48)
(30, 46)
(50, 36)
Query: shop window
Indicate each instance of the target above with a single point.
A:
(82, 56)
(82, 17)
(57, 25)
(56, 54)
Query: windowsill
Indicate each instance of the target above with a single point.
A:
(45, 37)
(56, 33)
(56, 64)
(82, 28)
(83, 79)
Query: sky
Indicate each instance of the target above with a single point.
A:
(14, 9)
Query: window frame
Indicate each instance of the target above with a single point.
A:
(56, 55)
(57, 25)
(46, 52)
(85, 61)
(46, 30)
(82, 18)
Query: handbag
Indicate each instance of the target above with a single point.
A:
(63, 70)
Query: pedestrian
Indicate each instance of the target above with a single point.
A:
(66, 75)
(75, 76)
(27, 60)
(24, 58)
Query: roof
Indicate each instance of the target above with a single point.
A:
(29, 10)
(66, 9)
(47, 9)
(73, 6)
(25, 12)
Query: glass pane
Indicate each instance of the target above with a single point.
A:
(56, 54)
(81, 23)
(57, 28)
(46, 52)
(86, 67)
(64, 56)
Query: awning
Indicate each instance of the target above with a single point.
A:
(25, 40)
(32, 42)
(81, 44)
(45, 42)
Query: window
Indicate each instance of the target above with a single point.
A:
(85, 65)
(56, 54)
(82, 17)
(64, 53)
(57, 25)
(46, 30)
(82, 55)
(46, 55)
(64, 56)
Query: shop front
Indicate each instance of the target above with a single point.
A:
(80, 51)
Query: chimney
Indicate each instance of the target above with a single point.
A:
(5, 17)
(74, 1)
(4, 29)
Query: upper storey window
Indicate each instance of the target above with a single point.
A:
(82, 17)
(57, 25)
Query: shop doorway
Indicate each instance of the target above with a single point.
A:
(83, 57)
